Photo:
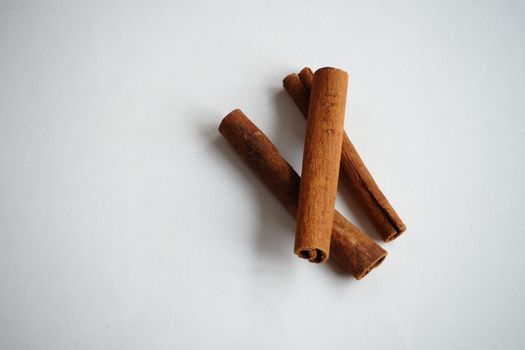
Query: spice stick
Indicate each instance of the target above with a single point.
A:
(307, 77)
(321, 158)
(350, 247)
(360, 181)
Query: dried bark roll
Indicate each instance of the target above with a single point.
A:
(350, 247)
(360, 181)
(322, 155)
(307, 77)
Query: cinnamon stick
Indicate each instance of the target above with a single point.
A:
(322, 155)
(350, 247)
(307, 77)
(360, 181)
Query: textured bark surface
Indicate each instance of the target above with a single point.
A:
(350, 247)
(360, 181)
(321, 159)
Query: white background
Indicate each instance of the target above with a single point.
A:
(127, 222)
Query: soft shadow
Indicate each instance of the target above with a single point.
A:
(290, 128)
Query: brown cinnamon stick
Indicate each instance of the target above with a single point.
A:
(359, 179)
(307, 77)
(350, 247)
(321, 159)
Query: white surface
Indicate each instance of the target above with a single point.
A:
(126, 221)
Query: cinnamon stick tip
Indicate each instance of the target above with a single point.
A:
(289, 78)
(330, 69)
(306, 71)
(313, 255)
(395, 233)
(372, 266)
(229, 116)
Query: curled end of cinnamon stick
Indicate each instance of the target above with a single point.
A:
(225, 120)
(396, 232)
(307, 77)
(370, 255)
(313, 255)
(288, 78)
(371, 267)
